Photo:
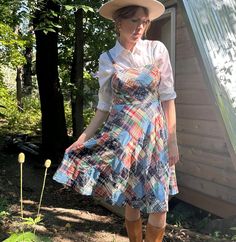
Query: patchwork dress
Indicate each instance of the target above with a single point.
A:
(127, 161)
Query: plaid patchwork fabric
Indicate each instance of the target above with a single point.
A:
(127, 162)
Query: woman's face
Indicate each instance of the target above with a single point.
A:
(132, 29)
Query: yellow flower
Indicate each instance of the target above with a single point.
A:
(47, 163)
(21, 158)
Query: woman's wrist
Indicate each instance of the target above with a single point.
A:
(172, 138)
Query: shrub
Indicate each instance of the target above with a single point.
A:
(14, 120)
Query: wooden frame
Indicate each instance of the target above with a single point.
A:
(171, 13)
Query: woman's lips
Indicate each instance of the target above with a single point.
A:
(137, 34)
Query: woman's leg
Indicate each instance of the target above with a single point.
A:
(157, 219)
(156, 227)
(133, 224)
(131, 214)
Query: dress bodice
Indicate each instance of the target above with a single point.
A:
(136, 85)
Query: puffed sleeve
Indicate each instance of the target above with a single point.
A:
(105, 72)
(166, 87)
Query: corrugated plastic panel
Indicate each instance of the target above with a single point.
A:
(214, 27)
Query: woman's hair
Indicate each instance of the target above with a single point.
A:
(128, 12)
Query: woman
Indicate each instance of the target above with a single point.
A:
(130, 162)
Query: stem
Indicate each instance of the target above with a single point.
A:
(21, 189)
(34, 228)
(41, 196)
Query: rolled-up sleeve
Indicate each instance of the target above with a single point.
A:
(105, 73)
(166, 87)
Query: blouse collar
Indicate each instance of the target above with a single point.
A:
(119, 49)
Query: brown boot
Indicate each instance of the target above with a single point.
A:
(154, 234)
(134, 230)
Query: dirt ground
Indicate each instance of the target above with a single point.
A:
(67, 216)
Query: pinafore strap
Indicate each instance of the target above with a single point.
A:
(110, 57)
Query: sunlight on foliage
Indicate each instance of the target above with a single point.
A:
(11, 46)
(31, 222)
(26, 237)
(14, 121)
(76, 7)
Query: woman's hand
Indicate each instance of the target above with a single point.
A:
(173, 152)
(96, 122)
(77, 143)
(170, 114)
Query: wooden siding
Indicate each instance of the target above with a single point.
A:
(190, 81)
(206, 173)
(210, 144)
(200, 156)
(199, 127)
(210, 188)
(206, 166)
(211, 204)
(201, 112)
(198, 97)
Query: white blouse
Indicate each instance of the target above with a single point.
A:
(145, 52)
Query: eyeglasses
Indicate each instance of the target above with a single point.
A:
(140, 22)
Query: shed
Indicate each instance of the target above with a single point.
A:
(203, 55)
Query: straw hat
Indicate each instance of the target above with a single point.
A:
(156, 9)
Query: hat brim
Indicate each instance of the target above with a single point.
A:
(155, 8)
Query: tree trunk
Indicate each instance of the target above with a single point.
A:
(54, 134)
(19, 88)
(77, 76)
(27, 74)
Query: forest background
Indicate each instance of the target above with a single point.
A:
(49, 51)
(49, 54)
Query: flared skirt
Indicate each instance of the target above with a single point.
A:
(126, 162)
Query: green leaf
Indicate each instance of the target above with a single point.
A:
(53, 13)
(49, 30)
(69, 7)
(3, 213)
(86, 8)
(28, 219)
(26, 237)
(37, 219)
(56, 25)
(31, 221)
(76, 7)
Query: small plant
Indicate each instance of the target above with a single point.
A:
(3, 208)
(234, 236)
(29, 222)
(32, 222)
(217, 234)
(26, 237)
